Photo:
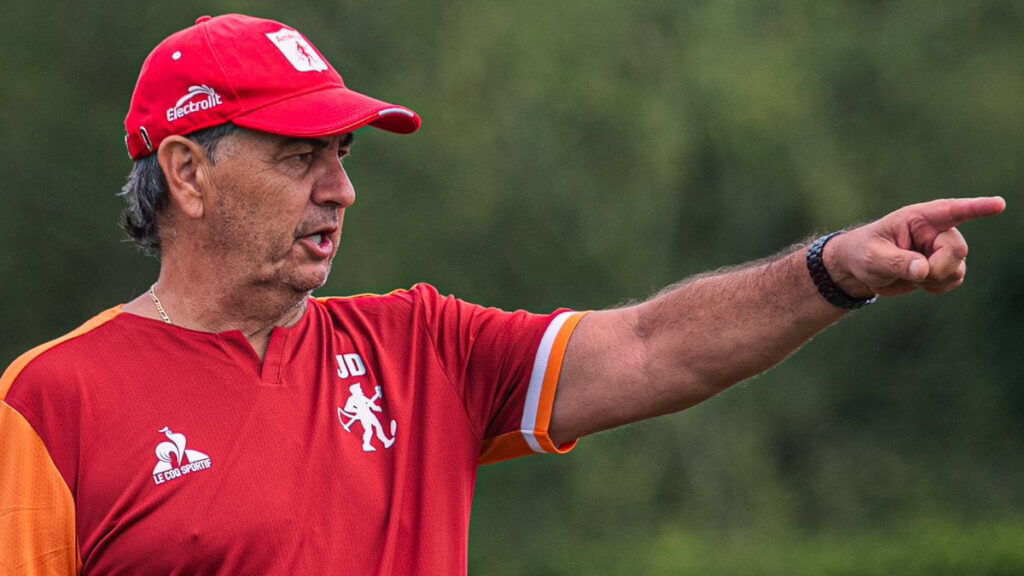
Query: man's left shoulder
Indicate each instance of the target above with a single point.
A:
(397, 302)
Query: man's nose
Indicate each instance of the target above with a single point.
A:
(333, 186)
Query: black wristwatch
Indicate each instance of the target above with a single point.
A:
(826, 287)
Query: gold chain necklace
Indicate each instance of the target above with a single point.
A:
(159, 306)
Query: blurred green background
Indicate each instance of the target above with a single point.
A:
(586, 153)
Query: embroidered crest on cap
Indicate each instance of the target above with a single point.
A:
(187, 105)
(298, 51)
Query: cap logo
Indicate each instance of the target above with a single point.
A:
(297, 50)
(187, 104)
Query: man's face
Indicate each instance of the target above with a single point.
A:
(276, 207)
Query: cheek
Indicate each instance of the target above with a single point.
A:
(253, 225)
(263, 215)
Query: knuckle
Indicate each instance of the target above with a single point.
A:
(944, 287)
(895, 265)
(873, 252)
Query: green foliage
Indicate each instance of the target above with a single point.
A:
(922, 547)
(585, 153)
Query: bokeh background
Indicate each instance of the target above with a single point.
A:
(585, 153)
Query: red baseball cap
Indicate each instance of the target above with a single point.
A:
(257, 73)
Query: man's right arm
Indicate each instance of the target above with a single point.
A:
(694, 340)
(37, 511)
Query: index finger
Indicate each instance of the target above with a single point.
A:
(949, 213)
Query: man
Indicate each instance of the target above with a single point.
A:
(207, 426)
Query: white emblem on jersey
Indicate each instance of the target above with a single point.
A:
(359, 408)
(297, 50)
(185, 461)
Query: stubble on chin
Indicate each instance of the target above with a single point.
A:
(306, 281)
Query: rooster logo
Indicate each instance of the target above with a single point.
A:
(185, 461)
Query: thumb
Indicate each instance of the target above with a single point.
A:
(917, 270)
(909, 265)
(892, 263)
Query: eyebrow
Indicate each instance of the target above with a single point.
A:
(319, 142)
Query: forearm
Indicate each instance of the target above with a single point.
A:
(719, 329)
(689, 343)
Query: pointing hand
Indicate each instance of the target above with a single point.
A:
(915, 247)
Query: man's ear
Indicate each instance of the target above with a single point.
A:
(182, 160)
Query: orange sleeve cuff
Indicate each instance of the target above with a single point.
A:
(532, 436)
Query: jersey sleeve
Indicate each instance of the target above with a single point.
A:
(38, 533)
(37, 511)
(505, 366)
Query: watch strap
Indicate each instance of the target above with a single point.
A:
(823, 282)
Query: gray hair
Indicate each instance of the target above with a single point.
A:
(146, 190)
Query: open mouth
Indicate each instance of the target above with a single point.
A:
(319, 243)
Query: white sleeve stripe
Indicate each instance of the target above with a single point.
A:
(540, 367)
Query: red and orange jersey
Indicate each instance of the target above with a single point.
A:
(132, 446)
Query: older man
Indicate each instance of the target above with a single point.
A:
(226, 422)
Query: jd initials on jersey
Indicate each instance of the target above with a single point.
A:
(185, 461)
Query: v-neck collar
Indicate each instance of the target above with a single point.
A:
(237, 347)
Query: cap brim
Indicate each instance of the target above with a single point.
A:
(327, 112)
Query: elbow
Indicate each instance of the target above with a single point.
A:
(674, 369)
